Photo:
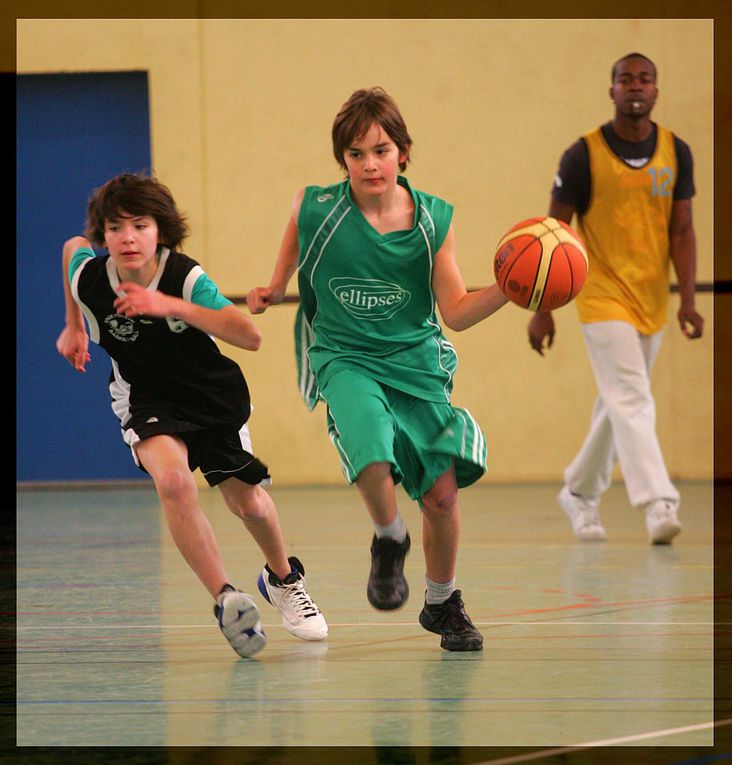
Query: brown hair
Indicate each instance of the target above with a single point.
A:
(135, 194)
(363, 109)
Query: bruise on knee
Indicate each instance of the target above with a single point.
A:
(441, 502)
(442, 496)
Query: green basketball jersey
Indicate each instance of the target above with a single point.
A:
(366, 299)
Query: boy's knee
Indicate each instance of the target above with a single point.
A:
(175, 485)
(440, 501)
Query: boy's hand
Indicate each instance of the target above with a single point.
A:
(261, 298)
(137, 300)
(73, 345)
(541, 328)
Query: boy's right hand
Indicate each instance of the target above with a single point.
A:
(73, 345)
(541, 327)
(261, 298)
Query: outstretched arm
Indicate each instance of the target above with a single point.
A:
(260, 299)
(459, 308)
(73, 342)
(683, 255)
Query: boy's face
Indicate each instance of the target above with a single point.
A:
(132, 241)
(373, 162)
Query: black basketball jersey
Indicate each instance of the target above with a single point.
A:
(160, 365)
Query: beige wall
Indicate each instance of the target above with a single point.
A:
(241, 113)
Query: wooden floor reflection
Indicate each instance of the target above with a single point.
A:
(117, 645)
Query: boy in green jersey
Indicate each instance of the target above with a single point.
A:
(375, 259)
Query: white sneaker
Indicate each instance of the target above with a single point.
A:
(300, 615)
(583, 515)
(238, 619)
(661, 521)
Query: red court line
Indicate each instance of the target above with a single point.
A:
(604, 604)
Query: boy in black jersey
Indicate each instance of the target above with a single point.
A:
(181, 403)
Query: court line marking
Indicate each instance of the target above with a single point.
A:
(606, 742)
(148, 625)
(327, 702)
(154, 625)
(598, 607)
(58, 627)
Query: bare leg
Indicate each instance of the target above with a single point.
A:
(166, 460)
(257, 510)
(377, 489)
(441, 533)
(255, 507)
(441, 528)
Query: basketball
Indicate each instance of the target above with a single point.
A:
(540, 264)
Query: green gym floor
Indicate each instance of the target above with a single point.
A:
(584, 642)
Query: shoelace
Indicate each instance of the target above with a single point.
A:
(455, 617)
(300, 600)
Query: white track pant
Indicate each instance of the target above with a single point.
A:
(623, 424)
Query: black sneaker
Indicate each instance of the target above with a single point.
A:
(450, 620)
(387, 588)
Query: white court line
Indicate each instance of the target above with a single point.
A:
(607, 742)
(57, 627)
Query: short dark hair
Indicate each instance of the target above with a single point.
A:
(363, 109)
(614, 70)
(135, 194)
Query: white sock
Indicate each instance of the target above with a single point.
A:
(438, 592)
(396, 530)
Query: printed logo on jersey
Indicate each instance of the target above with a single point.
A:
(325, 197)
(370, 299)
(176, 325)
(121, 328)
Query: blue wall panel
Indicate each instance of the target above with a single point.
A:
(74, 132)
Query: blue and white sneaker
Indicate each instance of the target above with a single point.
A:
(300, 615)
(239, 620)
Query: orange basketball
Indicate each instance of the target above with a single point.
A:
(540, 264)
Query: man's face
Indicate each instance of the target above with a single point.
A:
(634, 89)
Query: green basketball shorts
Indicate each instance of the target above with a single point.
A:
(369, 422)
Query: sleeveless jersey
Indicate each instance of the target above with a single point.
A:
(159, 364)
(625, 230)
(366, 300)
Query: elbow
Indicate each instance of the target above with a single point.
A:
(456, 324)
(255, 341)
(73, 244)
